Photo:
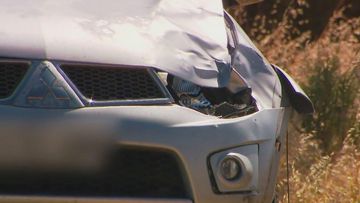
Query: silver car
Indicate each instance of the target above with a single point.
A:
(137, 101)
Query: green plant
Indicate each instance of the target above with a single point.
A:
(333, 94)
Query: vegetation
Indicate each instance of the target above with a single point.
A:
(318, 43)
(333, 95)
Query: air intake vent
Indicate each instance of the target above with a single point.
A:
(101, 83)
(131, 173)
(11, 74)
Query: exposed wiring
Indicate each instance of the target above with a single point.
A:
(287, 167)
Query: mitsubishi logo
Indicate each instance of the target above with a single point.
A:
(46, 88)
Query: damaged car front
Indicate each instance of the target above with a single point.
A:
(144, 101)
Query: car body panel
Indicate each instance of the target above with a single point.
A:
(154, 33)
(177, 129)
(255, 69)
(298, 98)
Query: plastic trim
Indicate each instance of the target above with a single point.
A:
(88, 102)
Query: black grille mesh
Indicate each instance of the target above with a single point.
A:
(131, 173)
(107, 83)
(11, 74)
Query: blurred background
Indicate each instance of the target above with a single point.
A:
(318, 43)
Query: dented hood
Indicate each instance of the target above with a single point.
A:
(184, 38)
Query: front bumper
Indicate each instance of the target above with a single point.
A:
(192, 136)
(31, 199)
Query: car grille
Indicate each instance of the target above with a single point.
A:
(131, 173)
(101, 83)
(11, 74)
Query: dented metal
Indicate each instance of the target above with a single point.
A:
(185, 38)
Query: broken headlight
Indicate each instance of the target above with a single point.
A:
(232, 101)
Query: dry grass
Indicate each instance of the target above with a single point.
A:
(315, 177)
(318, 174)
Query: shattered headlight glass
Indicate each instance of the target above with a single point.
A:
(232, 101)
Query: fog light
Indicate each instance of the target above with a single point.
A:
(230, 168)
(236, 169)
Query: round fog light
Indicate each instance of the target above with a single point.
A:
(234, 172)
(230, 168)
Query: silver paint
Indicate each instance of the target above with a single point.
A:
(184, 38)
